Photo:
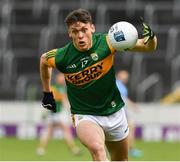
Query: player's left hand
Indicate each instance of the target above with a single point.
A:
(148, 34)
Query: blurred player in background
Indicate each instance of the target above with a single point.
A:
(172, 97)
(58, 119)
(122, 78)
(96, 104)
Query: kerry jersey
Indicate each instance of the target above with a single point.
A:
(90, 77)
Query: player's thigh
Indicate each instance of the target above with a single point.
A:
(90, 133)
(118, 149)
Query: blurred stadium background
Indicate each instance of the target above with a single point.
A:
(29, 28)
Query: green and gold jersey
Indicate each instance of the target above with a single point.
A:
(58, 92)
(90, 77)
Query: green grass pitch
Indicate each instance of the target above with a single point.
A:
(25, 150)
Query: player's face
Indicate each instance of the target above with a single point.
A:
(81, 35)
(123, 76)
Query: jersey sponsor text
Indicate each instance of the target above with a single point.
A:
(90, 73)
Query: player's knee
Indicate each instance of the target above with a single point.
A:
(96, 148)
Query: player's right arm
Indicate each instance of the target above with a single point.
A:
(47, 62)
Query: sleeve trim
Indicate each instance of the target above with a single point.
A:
(113, 50)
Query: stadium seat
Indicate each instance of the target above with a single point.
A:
(150, 88)
(124, 15)
(159, 66)
(6, 77)
(26, 62)
(162, 36)
(57, 39)
(175, 70)
(4, 37)
(165, 17)
(6, 14)
(64, 11)
(24, 38)
(172, 43)
(45, 41)
(25, 17)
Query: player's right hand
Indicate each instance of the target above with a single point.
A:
(48, 101)
(148, 34)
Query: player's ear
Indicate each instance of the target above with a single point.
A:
(93, 28)
(69, 33)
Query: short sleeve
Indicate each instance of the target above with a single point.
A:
(113, 50)
(50, 57)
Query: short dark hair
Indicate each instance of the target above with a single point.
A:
(80, 15)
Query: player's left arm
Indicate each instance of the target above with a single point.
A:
(149, 41)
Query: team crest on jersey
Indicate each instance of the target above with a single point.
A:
(94, 56)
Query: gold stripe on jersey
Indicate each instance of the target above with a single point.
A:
(50, 57)
(93, 72)
(110, 46)
(51, 54)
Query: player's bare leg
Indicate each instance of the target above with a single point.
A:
(118, 149)
(131, 134)
(92, 136)
(45, 139)
(133, 152)
(69, 139)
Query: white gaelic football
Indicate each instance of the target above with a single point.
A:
(123, 36)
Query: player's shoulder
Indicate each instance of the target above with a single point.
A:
(103, 40)
(56, 51)
(51, 53)
(99, 38)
